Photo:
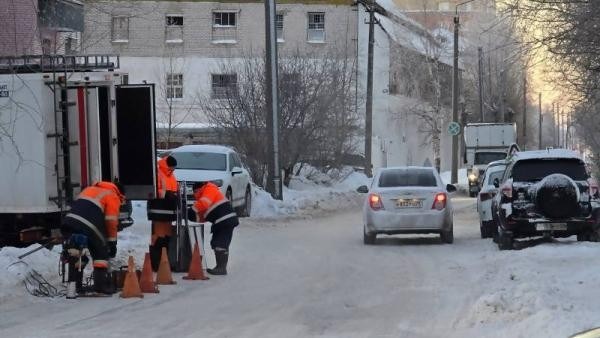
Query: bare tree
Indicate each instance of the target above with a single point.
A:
(317, 122)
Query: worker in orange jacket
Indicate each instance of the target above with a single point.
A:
(212, 206)
(167, 189)
(92, 223)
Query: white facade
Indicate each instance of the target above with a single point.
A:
(397, 139)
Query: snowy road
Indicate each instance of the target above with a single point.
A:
(315, 278)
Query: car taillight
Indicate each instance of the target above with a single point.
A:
(439, 201)
(375, 202)
(593, 186)
(484, 196)
(507, 190)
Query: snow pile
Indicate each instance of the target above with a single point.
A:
(518, 298)
(463, 182)
(14, 272)
(312, 191)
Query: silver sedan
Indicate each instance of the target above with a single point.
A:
(407, 200)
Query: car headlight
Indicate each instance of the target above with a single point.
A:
(472, 177)
(218, 183)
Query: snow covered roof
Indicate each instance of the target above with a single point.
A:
(197, 125)
(548, 153)
(213, 148)
(410, 34)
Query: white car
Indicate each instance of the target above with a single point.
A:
(494, 171)
(407, 200)
(218, 164)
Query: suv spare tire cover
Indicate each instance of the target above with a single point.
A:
(557, 196)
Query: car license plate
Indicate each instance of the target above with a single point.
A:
(550, 226)
(409, 203)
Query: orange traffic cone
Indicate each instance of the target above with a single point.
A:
(147, 281)
(131, 286)
(195, 272)
(163, 276)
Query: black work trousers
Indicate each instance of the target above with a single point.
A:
(221, 236)
(96, 245)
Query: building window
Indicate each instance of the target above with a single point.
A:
(120, 29)
(71, 46)
(47, 46)
(279, 26)
(444, 6)
(174, 29)
(175, 20)
(316, 27)
(224, 30)
(224, 19)
(174, 86)
(223, 85)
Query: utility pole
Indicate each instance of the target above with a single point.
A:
(540, 119)
(525, 108)
(369, 108)
(480, 71)
(502, 95)
(455, 93)
(274, 183)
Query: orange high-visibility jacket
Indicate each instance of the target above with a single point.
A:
(166, 179)
(102, 214)
(213, 207)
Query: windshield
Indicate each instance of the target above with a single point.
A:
(535, 170)
(489, 156)
(407, 178)
(200, 161)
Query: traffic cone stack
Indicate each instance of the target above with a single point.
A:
(164, 276)
(131, 286)
(147, 284)
(195, 271)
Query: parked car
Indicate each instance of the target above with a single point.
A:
(407, 200)
(220, 165)
(494, 170)
(544, 193)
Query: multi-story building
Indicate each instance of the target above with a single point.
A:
(179, 45)
(40, 27)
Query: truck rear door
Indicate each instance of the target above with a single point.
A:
(135, 118)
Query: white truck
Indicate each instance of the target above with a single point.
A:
(65, 123)
(485, 143)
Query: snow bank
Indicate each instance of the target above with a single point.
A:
(523, 304)
(463, 182)
(312, 191)
(14, 272)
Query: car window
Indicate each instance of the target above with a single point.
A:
(200, 160)
(236, 160)
(407, 178)
(487, 157)
(537, 169)
(231, 162)
(496, 173)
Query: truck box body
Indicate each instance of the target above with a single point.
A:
(108, 134)
(485, 143)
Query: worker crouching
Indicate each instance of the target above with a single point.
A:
(212, 206)
(91, 225)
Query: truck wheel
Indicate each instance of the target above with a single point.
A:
(472, 194)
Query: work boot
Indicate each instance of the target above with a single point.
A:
(221, 256)
(102, 281)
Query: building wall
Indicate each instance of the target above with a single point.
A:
(147, 55)
(19, 33)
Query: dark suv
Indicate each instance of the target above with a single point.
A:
(544, 193)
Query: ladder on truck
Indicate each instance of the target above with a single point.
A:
(58, 67)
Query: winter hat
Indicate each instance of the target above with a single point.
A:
(171, 161)
(120, 186)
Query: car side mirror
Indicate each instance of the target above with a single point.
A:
(450, 188)
(496, 183)
(363, 189)
(235, 171)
